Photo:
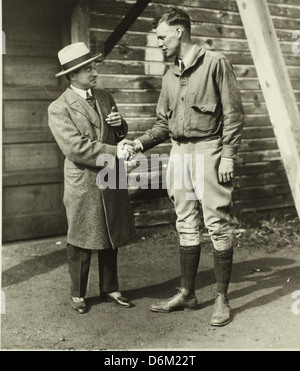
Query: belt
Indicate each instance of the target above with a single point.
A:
(180, 141)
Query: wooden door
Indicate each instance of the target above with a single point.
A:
(32, 162)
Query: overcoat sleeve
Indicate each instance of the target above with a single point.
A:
(76, 147)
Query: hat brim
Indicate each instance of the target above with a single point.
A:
(65, 72)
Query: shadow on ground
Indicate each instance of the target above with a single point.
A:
(274, 274)
(33, 267)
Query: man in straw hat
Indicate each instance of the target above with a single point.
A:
(86, 124)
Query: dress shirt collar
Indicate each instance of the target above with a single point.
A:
(81, 92)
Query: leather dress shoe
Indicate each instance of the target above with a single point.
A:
(117, 299)
(184, 300)
(222, 311)
(78, 306)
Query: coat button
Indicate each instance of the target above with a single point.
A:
(87, 133)
(203, 109)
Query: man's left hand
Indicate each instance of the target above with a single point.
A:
(226, 170)
(114, 118)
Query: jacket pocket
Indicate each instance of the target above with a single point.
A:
(205, 108)
(203, 116)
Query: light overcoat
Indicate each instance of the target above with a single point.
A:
(97, 218)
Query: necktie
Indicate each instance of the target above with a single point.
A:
(181, 66)
(91, 100)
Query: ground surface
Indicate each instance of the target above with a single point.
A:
(265, 276)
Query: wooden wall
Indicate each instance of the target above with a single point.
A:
(133, 72)
(32, 162)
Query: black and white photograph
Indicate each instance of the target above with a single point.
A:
(150, 178)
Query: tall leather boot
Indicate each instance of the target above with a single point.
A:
(186, 297)
(223, 267)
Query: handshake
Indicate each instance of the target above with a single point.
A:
(128, 148)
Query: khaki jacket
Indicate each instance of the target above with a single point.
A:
(201, 102)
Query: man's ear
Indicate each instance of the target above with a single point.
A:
(72, 76)
(179, 32)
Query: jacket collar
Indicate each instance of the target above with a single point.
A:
(81, 105)
(198, 53)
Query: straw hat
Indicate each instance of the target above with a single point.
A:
(75, 56)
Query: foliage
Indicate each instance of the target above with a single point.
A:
(272, 232)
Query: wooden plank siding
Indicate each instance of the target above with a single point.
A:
(32, 162)
(133, 73)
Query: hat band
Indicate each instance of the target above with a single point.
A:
(76, 61)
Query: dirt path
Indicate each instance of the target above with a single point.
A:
(36, 284)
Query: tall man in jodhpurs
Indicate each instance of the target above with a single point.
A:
(200, 108)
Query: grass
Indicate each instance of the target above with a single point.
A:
(272, 231)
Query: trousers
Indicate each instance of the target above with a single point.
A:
(192, 182)
(79, 261)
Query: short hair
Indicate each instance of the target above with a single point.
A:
(68, 75)
(173, 17)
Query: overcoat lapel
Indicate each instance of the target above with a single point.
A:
(81, 105)
(103, 112)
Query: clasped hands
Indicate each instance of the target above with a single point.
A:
(128, 148)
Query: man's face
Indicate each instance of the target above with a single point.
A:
(168, 39)
(86, 77)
